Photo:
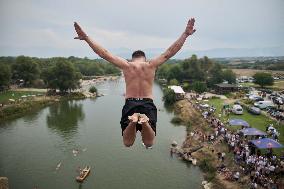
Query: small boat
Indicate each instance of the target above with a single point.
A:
(83, 174)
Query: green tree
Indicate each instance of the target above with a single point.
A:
(186, 86)
(263, 79)
(93, 89)
(199, 87)
(62, 76)
(5, 75)
(169, 96)
(215, 75)
(229, 76)
(25, 68)
(174, 72)
(173, 82)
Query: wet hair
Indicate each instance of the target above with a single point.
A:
(138, 54)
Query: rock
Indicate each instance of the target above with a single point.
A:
(4, 183)
(208, 185)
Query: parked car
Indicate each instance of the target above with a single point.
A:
(258, 99)
(254, 110)
(277, 100)
(269, 91)
(237, 109)
(237, 102)
(264, 104)
(255, 97)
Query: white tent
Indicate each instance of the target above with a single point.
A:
(177, 89)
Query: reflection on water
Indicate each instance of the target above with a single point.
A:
(32, 146)
(63, 118)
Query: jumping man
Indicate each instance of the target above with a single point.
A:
(139, 111)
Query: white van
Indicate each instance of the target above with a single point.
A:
(237, 109)
(264, 104)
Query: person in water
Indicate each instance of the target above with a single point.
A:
(139, 111)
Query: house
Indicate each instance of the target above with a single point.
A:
(178, 91)
(223, 88)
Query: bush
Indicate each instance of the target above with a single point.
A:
(169, 96)
(206, 166)
(173, 82)
(176, 120)
(186, 86)
(93, 89)
(199, 87)
(38, 83)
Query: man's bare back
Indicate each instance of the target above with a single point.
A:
(139, 78)
(139, 111)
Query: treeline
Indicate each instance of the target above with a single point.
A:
(260, 65)
(195, 73)
(54, 73)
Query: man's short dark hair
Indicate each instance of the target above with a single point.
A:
(138, 54)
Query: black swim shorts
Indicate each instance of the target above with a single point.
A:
(142, 106)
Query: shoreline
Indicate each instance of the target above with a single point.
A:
(20, 108)
(197, 145)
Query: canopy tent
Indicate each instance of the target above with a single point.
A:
(266, 143)
(238, 122)
(253, 132)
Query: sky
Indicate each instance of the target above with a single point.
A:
(44, 28)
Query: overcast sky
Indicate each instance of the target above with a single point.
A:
(45, 28)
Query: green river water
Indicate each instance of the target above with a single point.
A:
(32, 146)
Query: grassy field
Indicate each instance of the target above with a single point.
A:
(251, 72)
(5, 96)
(277, 85)
(257, 121)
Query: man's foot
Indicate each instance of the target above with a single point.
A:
(134, 118)
(143, 119)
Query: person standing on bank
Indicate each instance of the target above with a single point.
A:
(139, 111)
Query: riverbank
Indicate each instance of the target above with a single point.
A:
(197, 132)
(19, 107)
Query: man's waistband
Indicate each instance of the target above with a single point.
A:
(139, 99)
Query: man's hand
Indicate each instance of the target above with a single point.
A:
(81, 34)
(189, 28)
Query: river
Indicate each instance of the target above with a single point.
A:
(32, 146)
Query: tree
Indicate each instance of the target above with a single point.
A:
(93, 89)
(174, 72)
(199, 87)
(229, 76)
(5, 76)
(25, 68)
(62, 76)
(263, 79)
(169, 96)
(215, 75)
(186, 86)
(173, 82)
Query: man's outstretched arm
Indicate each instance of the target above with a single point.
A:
(176, 46)
(99, 50)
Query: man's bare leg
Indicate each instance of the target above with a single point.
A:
(147, 132)
(129, 134)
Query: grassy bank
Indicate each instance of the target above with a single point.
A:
(207, 155)
(17, 110)
(16, 95)
(21, 107)
(195, 123)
